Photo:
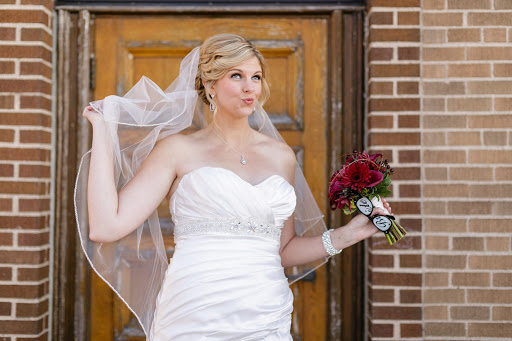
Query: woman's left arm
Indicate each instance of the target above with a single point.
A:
(298, 250)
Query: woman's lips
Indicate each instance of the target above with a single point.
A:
(248, 100)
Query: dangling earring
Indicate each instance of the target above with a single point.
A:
(212, 105)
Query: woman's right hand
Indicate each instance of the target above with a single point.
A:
(92, 115)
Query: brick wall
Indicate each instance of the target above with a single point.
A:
(467, 160)
(445, 105)
(25, 143)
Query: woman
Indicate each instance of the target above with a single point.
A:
(232, 203)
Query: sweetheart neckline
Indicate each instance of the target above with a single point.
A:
(230, 172)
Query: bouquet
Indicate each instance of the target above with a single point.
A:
(361, 183)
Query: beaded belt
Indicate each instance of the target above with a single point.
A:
(250, 226)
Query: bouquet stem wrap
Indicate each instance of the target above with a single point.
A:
(395, 232)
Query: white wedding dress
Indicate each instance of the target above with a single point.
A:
(225, 280)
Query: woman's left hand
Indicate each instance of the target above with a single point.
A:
(360, 227)
(386, 206)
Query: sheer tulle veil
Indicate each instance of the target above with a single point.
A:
(134, 266)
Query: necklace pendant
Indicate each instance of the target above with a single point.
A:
(242, 160)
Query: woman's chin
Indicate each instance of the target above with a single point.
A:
(240, 112)
(245, 112)
(249, 111)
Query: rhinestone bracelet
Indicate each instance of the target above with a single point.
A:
(326, 239)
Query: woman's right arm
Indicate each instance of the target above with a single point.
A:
(113, 215)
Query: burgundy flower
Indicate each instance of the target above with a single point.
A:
(336, 186)
(372, 157)
(376, 178)
(363, 155)
(356, 176)
(361, 171)
(340, 202)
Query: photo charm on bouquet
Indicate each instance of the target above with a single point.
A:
(360, 184)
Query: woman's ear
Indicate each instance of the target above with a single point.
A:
(209, 87)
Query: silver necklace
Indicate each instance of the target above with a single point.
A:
(242, 158)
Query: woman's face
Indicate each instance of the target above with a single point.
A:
(237, 92)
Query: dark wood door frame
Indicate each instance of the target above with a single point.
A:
(209, 3)
(346, 132)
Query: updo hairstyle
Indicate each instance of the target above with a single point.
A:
(218, 54)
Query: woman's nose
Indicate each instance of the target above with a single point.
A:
(248, 86)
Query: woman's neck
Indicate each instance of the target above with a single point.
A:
(235, 132)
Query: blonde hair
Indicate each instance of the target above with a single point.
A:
(218, 54)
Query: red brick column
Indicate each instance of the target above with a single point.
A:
(394, 274)
(25, 145)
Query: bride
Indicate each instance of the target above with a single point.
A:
(232, 200)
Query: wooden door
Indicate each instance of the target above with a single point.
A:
(295, 47)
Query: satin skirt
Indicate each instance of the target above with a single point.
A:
(224, 287)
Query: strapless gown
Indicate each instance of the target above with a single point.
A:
(225, 280)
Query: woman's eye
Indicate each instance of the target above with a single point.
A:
(256, 78)
(236, 76)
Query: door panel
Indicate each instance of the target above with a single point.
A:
(295, 48)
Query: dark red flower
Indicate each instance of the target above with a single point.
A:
(339, 203)
(373, 157)
(376, 178)
(364, 155)
(356, 176)
(336, 186)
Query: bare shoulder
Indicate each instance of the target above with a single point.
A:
(174, 148)
(280, 147)
(282, 155)
(171, 144)
(175, 141)
(286, 154)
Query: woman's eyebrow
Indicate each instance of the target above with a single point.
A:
(259, 71)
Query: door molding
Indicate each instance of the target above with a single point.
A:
(346, 281)
(158, 7)
(211, 3)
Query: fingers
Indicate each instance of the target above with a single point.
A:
(387, 206)
(92, 115)
(379, 211)
(88, 109)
